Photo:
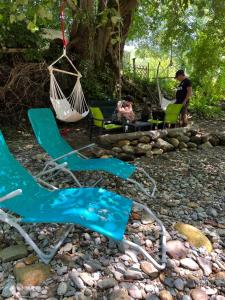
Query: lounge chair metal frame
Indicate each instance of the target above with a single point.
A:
(47, 257)
(54, 166)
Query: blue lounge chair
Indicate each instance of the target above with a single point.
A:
(95, 208)
(49, 138)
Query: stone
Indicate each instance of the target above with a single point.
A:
(198, 294)
(196, 140)
(220, 275)
(149, 154)
(214, 140)
(205, 265)
(9, 289)
(123, 143)
(212, 212)
(173, 141)
(165, 295)
(176, 249)
(144, 139)
(191, 145)
(176, 132)
(194, 236)
(77, 281)
(179, 284)
(134, 142)
(149, 269)
(62, 289)
(135, 292)
(13, 253)
(206, 146)
(161, 144)
(146, 219)
(92, 266)
(121, 294)
(189, 263)
(182, 145)
(156, 151)
(186, 297)
(128, 149)
(107, 283)
(183, 138)
(117, 149)
(87, 278)
(152, 297)
(133, 275)
(143, 148)
(32, 274)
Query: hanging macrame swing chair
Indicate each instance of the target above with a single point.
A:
(162, 100)
(74, 107)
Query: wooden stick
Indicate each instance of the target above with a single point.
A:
(65, 72)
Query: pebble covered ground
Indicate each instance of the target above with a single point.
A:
(191, 190)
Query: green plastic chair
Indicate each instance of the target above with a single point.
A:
(99, 121)
(94, 208)
(172, 114)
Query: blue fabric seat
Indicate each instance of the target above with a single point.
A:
(53, 143)
(95, 208)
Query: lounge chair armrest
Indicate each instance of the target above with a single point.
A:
(11, 195)
(74, 151)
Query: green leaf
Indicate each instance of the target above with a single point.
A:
(21, 17)
(115, 20)
(32, 27)
(12, 19)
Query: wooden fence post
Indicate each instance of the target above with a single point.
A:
(134, 66)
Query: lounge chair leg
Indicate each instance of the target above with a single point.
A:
(60, 168)
(163, 240)
(45, 257)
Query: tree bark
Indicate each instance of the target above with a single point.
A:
(92, 41)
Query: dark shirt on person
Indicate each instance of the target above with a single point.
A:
(182, 90)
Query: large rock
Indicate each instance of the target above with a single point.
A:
(32, 274)
(183, 138)
(205, 146)
(135, 292)
(13, 253)
(128, 149)
(164, 145)
(199, 294)
(194, 236)
(123, 143)
(176, 132)
(221, 137)
(196, 140)
(157, 151)
(143, 148)
(173, 141)
(176, 249)
(145, 139)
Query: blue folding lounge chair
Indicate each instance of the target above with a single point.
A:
(61, 152)
(95, 208)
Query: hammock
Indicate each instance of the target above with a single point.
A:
(162, 100)
(74, 107)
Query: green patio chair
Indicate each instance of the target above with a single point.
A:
(98, 121)
(23, 200)
(61, 152)
(172, 115)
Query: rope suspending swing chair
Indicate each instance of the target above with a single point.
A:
(162, 100)
(74, 107)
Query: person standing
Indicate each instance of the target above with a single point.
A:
(183, 95)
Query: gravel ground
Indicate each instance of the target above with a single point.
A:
(191, 190)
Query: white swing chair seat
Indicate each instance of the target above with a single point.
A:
(74, 107)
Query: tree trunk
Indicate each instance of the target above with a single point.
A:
(95, 34)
